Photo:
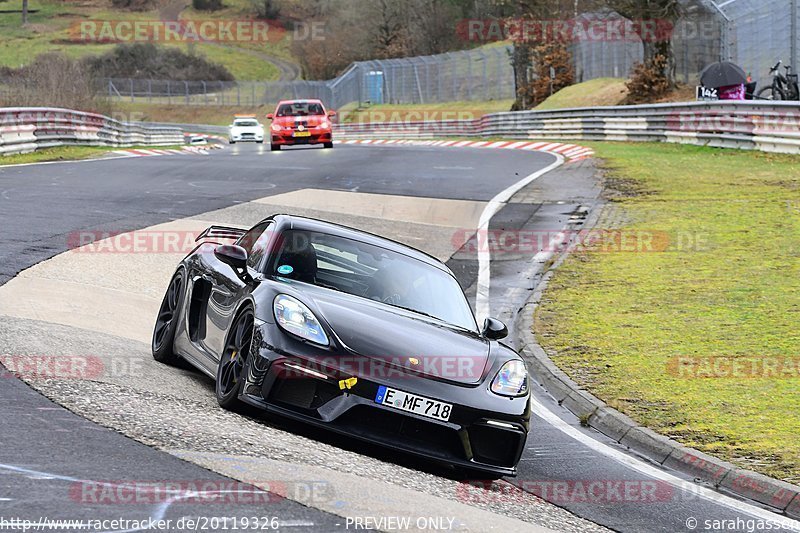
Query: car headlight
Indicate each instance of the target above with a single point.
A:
(512, 380)
(276, 127)
(298, 319)
(324, 124)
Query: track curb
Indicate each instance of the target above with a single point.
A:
(777, 495)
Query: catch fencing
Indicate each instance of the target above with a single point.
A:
(753, 33)
(768, 127)
(26, 129)
(759, 33)
(483, 73)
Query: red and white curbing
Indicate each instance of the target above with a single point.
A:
(149, 152)
(572, 152)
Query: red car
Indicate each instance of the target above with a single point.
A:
(300, 122)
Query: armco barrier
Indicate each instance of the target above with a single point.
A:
(764, 126)
(30, 128)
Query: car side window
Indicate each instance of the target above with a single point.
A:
(255, 243)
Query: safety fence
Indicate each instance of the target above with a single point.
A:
(28, 129)
(483, 73)
(768, 127)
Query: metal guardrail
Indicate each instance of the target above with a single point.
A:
(26, 129)
(764, 126)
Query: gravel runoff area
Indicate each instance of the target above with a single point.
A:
(174, 410)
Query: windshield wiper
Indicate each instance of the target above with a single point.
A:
(436, 318)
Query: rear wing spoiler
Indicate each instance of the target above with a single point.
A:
(221, 232)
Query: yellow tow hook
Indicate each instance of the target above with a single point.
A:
(348, 383)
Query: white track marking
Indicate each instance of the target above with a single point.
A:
(484, 255)
(482, 311)
(649, 470)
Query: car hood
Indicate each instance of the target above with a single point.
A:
(310, 120)
(401, 338)
(248, 129)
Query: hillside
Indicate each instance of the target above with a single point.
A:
(57, 26)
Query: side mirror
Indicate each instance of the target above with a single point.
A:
(232, 255)
(331, 113)
(270, 115)
(494, 329)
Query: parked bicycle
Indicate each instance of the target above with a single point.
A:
(784, 87)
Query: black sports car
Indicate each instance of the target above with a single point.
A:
(349, 331)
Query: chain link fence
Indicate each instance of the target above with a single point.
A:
(481, 74)
(759, 33)
(752, 33)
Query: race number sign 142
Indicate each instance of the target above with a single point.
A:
(707, 93)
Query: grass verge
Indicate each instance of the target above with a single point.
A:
(66, 153)
(700, 342)
(188, 114)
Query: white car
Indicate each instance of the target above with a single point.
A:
(246, 129)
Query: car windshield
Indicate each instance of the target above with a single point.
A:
(300, 109)
(246, 123)
(372, 272)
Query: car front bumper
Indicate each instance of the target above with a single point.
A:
(247, 137)
(485, 433)
(316, 136)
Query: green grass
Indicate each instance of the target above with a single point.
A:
(599, 92)
(51, 29)
(189, 114)
(616, 320)
(67, 153)
(434, 111)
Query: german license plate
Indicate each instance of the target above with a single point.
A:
(405, 401)
(302, 134)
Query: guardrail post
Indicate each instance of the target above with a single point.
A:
(485, 77)
(238, 95)
(186, 89)
(469, 77)
(205, 92)
(794, 35)
(149, 90)
(131, 80)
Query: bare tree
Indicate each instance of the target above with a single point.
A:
(651, 17)
(24, 11)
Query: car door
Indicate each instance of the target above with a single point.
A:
(228, 289)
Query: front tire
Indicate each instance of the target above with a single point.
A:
(232, 362)
(328, 145)
(275, 147)
(167, 322)
(770, 93)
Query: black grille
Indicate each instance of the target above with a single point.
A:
(306, 393)
(419, 434)
(494, 446)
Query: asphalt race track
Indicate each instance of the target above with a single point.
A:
(133, 421)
